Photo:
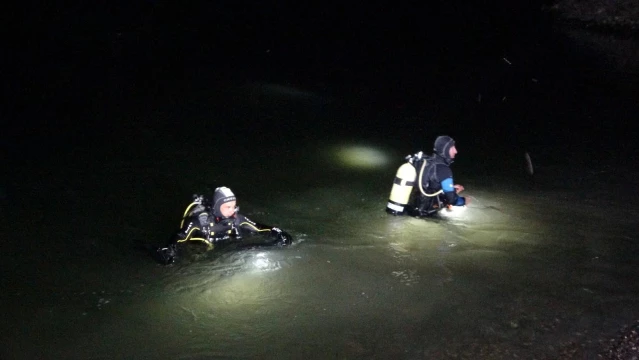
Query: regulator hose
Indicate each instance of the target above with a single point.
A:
(421, 189)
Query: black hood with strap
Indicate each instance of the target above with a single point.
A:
(221, 196)
(442, 148)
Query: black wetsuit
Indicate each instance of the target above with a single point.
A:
(200, 224)
(437, 177)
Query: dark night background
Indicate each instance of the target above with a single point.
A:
(85, 82)
(74, 70)
(90, 83)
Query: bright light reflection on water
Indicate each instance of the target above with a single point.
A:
(359, 283)
(517, 270)
(360, 156)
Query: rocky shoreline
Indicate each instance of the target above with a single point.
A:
(616, 16)
(610, 28)
(625, 346)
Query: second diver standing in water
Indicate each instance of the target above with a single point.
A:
(216, 219)
(424, 184)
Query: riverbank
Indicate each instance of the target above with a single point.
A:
(609, 28)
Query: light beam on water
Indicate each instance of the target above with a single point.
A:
(358, 156)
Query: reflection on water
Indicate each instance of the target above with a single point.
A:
(522, 271)
(498, 275)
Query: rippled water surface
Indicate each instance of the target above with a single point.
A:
(535, 266)
(528, 266)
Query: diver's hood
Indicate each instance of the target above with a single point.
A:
(221, 196)
(442, 148)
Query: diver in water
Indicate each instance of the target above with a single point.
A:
(217, 220)
(426, 182)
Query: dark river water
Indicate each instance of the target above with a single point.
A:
(536, 266)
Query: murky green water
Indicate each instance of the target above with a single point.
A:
(530, 266)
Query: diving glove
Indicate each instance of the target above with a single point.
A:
(283, 238)
(166, 255)
(206, 232)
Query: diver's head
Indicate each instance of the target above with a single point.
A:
(445, 147)
(224, 202)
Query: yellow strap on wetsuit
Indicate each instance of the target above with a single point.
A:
(188, 237)
(253, 227)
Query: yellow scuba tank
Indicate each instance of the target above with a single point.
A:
(405, 181)
(402, 186)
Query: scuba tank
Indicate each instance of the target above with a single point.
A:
(198, 204)
(403, 185)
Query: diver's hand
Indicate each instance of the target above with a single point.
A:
(458, 188)
(206, 231)
(235, 231)
(282, 237)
